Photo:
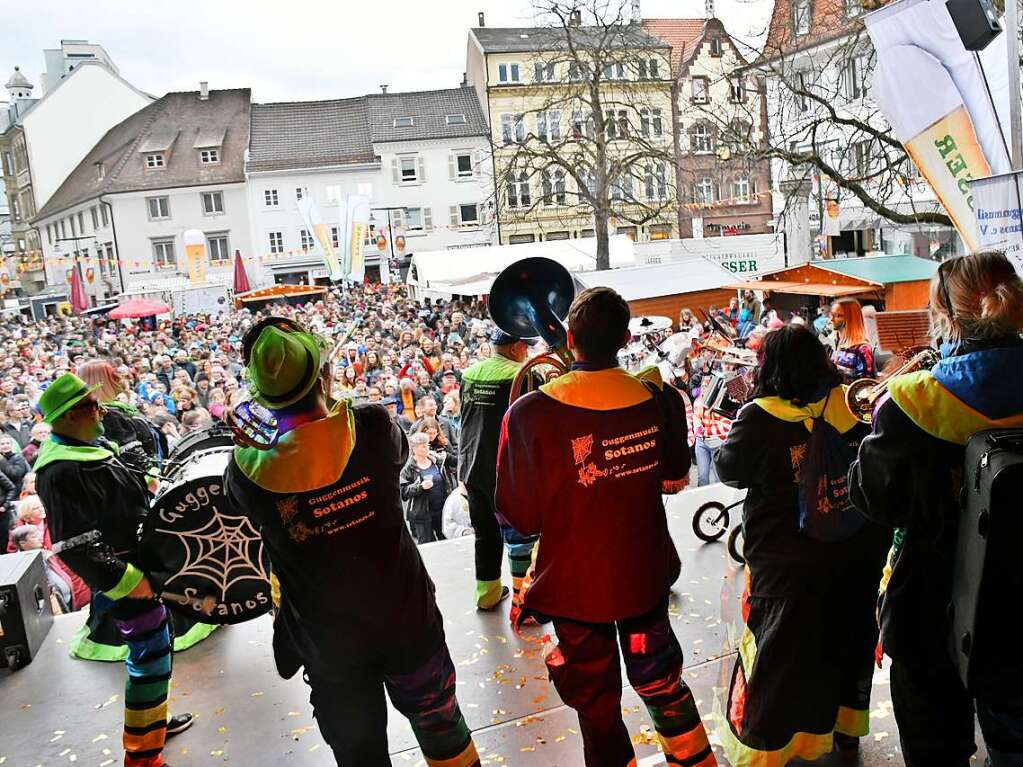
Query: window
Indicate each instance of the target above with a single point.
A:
(276, 242)
(209, 156)
(737, 87)
(513, 128)
(548, 125)
(335, 236)
(744, 190)
(853, 8)
(408, 170)
(469, 215)
(543, 72)
(802, 89)
(800, 17)
(163, 254)
(739, 135)
(508, 73)
(63, 231)
(655, 182)
(8, 164)
(701, 141)
(154, 160)
(853, 77)
(403, 122)
(159, 207)
(95, 218)
(861, 161)
(716, 48)
(458, 119)
(414, 219)
(518, 191)
(650, 122)
(300, 192)
(577, 71)
(581, 125)
(621, 187)
(49, 233)
(103, 215)
(614, 70)
(704, 191)
(71, 220)
(333, 193)
(81, 222)
(701, 90)
(212, 203)
(270, 198)
(305, 238)
(463, 166)
(216, 248)
(521, 239)
(648, 69)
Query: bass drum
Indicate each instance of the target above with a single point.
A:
(205, 557)
(215, 435)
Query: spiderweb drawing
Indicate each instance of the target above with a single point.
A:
(224, 551)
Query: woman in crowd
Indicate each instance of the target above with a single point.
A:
(854, 355)
(31, 512)
(909, 476)
(122, 423)
(442, 452)
(425, 489)
(686, 322)
(801, 682)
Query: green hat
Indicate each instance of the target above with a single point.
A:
(62, 395)
(283, 366)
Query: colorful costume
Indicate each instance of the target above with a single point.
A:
(486, 388)
(805, 660)
(94, 506)
(357, 606)
(908, 477)
(583, 463)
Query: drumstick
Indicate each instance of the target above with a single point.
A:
(204, 605)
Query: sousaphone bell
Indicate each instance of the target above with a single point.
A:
(531, 298)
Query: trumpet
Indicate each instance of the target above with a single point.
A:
(863, 394)
(531, 298)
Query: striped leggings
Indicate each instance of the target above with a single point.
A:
(145, 693)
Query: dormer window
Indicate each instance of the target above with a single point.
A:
(715, 46)
(209, 156)
(155, 160)
(403, 122)
(456, 119)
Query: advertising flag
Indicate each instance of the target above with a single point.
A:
(356, 230)
(195, 255)
(934, 95)
(998, 201)
(321, 236)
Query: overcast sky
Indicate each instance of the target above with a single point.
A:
(295, 49)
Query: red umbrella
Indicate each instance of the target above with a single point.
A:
(79, 301)
(241, 279)
(138, 307)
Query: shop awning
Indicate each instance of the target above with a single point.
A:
(805, 288)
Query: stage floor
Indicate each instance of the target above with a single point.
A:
(59, 711)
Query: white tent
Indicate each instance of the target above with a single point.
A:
(470, 271)
(687, 275)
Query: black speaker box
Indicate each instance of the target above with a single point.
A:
(25, 612)
(976, 22)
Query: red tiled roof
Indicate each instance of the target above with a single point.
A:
(681, 34)
(827, 22)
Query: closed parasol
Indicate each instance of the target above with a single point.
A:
(138, 307)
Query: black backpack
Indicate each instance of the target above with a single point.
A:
(987, 578)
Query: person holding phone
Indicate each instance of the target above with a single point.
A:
(424, 488)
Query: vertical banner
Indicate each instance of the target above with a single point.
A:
(832, 226)
(321, 236)
(195, 255)
(933, 93)
(997, 201)
(357, 215)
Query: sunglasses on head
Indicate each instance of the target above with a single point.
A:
(944, 271)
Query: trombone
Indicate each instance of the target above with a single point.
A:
(863, 394)
(531, 298)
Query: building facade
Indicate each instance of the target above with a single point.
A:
(421, 158)
(174, 166)
(720, 129)
(537, 87)
(46, 138)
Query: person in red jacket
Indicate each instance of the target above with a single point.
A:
(583, 462)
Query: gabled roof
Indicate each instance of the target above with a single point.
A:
(883, 270)
(179, 115)
(429, 111)
(310, 134)
(683, 35)
(538, 39)
(827, 22)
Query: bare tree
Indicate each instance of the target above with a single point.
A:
(593, 136)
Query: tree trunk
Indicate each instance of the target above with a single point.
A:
(600, 230)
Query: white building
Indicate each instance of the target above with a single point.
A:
(421, 158)
(176, 165)
(62, 61)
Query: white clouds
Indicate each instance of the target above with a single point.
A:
(293, 50)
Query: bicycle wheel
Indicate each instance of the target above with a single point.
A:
(735, 541)
(710, 521)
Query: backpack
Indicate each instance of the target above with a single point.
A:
(986, 579)
(825, 511)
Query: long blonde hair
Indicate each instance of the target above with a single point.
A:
(986, 297)
(855, 331)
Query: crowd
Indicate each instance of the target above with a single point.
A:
(160, 385)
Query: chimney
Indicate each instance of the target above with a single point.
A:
(576, 19)
(383, 88)
(204, 91)
(481, 18)
(709, 8)
(637, 14)
(465, 79)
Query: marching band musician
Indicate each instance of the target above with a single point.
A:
(94, 506)
(486, 388)
(853, 355)
(908, 477)
(357, 607)
(583, 463)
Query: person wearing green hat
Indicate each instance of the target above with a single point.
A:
(94, 506)
(356, 606)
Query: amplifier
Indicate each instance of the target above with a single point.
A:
(25, 612)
